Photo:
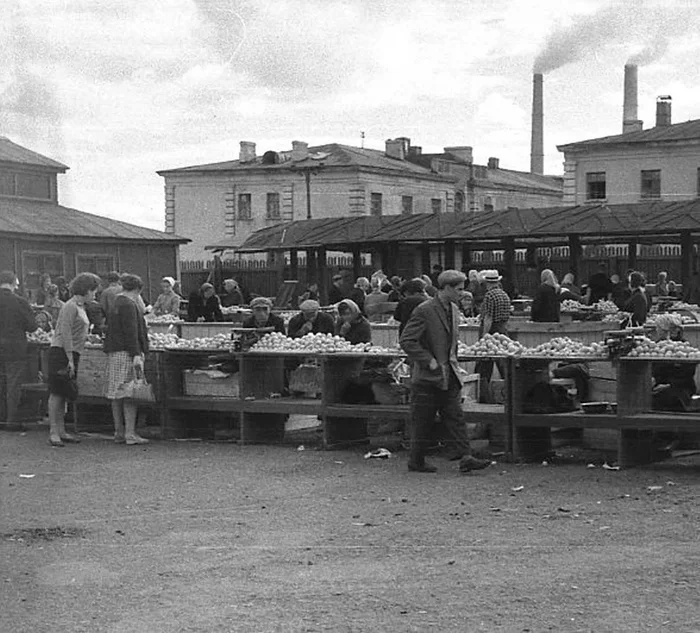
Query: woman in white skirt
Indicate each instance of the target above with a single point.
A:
(126, 345)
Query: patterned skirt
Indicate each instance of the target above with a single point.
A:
(120, 370)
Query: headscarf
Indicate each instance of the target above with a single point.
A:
(170, 280)
(548, 277)
(473, 275)
(351, 306)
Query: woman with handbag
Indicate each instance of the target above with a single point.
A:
(67, 343)
(126, 344)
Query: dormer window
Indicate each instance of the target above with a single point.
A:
(21, 184)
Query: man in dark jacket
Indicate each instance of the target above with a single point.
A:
(310, 320)
(413, 292)
(16, 319)
(430, 341)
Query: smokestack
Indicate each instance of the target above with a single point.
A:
(537, 143)
(663, 110)
(630, 122)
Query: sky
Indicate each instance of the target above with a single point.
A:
(117, 89)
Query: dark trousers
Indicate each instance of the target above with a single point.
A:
(485, 367)
(426, 402)
(11, 373)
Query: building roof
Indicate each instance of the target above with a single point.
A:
(652, 219)
(331, 155)
(689, 130)
(45, 219)
(509, 178)
(12, 153)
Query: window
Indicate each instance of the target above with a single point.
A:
(98, 264)
(488, 204)
(595, 185)
(459, 202)
(273, 206)
(25, 185)
(436, 205)
(407, 205)
(651, 183)
(245, 211)
(35, 264)
(376, 204)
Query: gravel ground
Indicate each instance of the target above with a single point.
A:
(184, 536)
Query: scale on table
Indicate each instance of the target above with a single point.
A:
(246, 337)
(621, 342)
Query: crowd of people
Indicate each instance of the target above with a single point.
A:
(115, 308)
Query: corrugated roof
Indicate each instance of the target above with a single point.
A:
(689, 130)
(36, 218)
(12, 153)
(525, 180)
(334, 155)
(652, 218)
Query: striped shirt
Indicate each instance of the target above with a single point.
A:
(496, 304)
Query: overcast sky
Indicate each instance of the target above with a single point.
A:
(118, 89)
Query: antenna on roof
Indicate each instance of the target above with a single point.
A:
(362, 140)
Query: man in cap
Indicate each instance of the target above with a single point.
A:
(262, 316)
(430, 340)
(495, 313)
(310, 320)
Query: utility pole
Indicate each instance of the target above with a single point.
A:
(307, 171)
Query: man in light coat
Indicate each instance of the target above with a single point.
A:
(430, 341)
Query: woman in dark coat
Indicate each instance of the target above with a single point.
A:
(204, 305)
(545, 307)
(637, 304)
(351, 325)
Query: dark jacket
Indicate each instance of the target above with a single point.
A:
(545, 307)
(360, 331)
(427, 335)
(620, 295)
(127, 331)
(230, 299)
(405, 309)
(273, 320)
(209, 309)
(16, 319)
(638, 306)
(322, 324)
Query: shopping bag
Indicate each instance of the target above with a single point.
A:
(137, 390)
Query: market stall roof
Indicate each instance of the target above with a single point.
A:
(36, 218)
(592, 221)
(12, 153)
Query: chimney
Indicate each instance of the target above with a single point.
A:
(537, 142)
(663, 110)
(396, 148)
(461, 152)
(300, 150)
(247, 153)
(415, 151)
(493, 163)
(630, 122)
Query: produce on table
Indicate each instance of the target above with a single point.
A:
(682, 305)
(39, 337)
(571, 305)
(646, 348)
(163, 318)
(157, 340)
(470, 320)
(617, 317)
(564, 347)
(94, 341)
(606, 307)
(219, 342)
(315, 344)
(492, 345)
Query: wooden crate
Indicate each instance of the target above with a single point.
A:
(602, 385)
(384, 334)
(470, 391)
(196, 382)
(92, 373)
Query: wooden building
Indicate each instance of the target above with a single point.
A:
(38, 235)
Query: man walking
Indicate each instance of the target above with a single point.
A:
(16, 319)
(495, 312)
(430, 340)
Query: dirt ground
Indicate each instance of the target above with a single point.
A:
(210, 537)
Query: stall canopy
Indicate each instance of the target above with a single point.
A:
(651, 221)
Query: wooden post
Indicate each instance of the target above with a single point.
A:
(311, 273)
(449, 254)
(425, 258)
(466, 256)
(632, 255)
(356, 262)
(509, 260)
(384, 263)
(575, 255)
(393, 267)
(686, 258)
(294, 264)
(322, 276)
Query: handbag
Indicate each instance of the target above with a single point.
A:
(68, 384)
(137, 390)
